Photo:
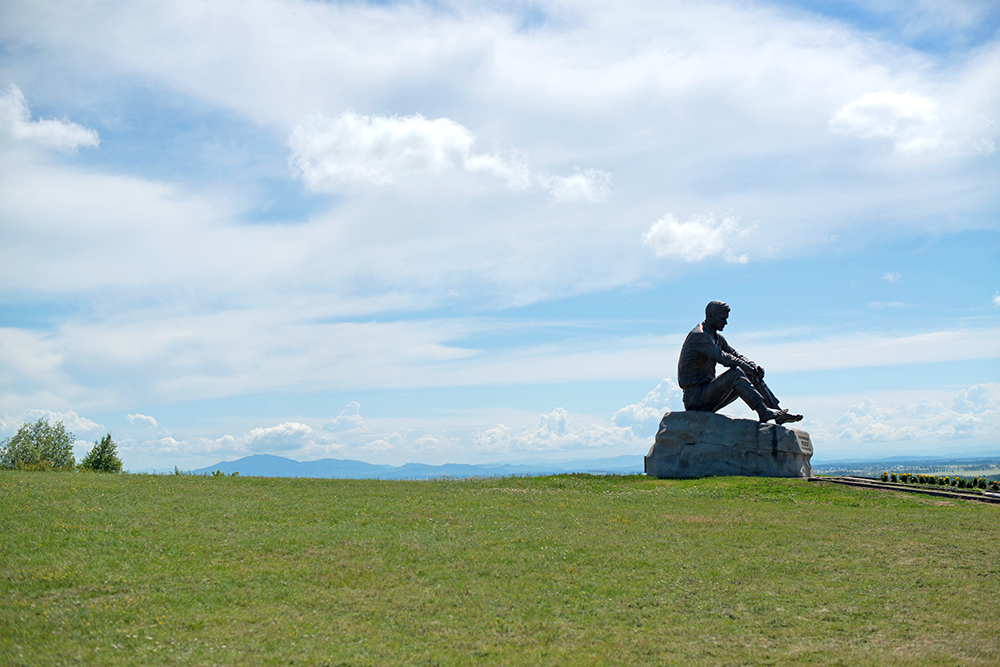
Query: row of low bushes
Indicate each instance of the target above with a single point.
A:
(935, 480)
(43, 446)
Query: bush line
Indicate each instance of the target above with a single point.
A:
(936, 480)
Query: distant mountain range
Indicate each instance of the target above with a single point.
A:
(265, 465)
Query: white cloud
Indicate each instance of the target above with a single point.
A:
(71, 420)
(186, 453)
(283, 437)
(909, 120)
(892, 277)
(142, 420)
(590, 186)
(918, 124)
(353, 150)
(974, 415)
(555, 433)
(978, 399)
(16, 125)
(349, 419)
(644, 417)
(700, 237)
(996, 299)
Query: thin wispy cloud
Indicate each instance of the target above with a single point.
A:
(142, 420)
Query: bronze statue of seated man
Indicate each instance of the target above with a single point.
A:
(705, 347)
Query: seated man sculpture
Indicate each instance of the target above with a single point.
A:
(705, 347)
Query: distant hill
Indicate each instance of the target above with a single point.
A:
(266, 465)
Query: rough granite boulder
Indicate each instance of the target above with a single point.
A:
(697, 444)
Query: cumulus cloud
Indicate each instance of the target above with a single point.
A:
(349, 419)
(916, 124)
(978, 399)
(352, 150)
(71, 420)
(16, 125)
(909, 120)
(290, 435)
(974, 414)
(142, 420)
(554, 433)
(644, 417)
(892, 277)
(996, 299)
(700, 237)
(330, 153)
(169, 450)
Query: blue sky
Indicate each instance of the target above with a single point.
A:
(470, 232)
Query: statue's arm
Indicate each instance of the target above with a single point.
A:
(737, 360)
(704, 345)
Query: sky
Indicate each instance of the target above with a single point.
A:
(472, 232)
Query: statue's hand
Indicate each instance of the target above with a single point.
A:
(760, 372)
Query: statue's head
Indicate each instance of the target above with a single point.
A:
(717, 314)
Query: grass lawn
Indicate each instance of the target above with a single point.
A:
(161, 570)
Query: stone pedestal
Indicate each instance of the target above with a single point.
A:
(698, 444)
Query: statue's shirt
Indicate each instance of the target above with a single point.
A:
(701, 351)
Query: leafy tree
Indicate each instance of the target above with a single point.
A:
(38, 446)
(103, 457)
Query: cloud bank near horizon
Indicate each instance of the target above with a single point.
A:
(971, 420)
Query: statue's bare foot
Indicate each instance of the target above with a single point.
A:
(785, 417)
(767, 414)
(779, 416)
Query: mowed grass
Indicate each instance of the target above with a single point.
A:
(161, 570)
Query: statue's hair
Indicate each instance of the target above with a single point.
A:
(715, 306)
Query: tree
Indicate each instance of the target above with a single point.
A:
(38, 446)
(103, 457)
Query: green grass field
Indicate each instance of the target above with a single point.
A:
(161, 570)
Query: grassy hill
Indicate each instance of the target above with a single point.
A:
(160, 570)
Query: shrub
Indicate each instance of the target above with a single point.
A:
(38, 446)
(885, 477)
(892, 477)
(103, 457)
